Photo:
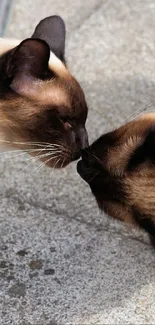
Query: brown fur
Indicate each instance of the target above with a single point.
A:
(120, 169)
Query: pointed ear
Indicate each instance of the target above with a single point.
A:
(28, 62)
(145, 151)
(52, 30)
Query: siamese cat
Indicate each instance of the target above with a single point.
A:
(42, 106)
(120, 169)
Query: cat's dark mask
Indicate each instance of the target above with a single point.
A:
(120, 169)
(40, 101)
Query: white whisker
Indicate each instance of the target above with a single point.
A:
(24, 152)
(52, 150)
(43, 164)
(19, 150)
(93, 177)
(32, 143)
(145, 108)
(55, 166)
(43, 155)
(62, 163)
(33, 159)
(56, 163)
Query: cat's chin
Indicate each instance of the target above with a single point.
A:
(76, 156)
(83, 170)
(80, 168)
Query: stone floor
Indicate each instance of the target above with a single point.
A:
(62, 262)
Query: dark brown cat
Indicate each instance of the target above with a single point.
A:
(120, 169)
(42, 106)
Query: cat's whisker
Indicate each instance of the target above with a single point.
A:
(44, 163)
(93, 155)
(33, 159)
(94, 176)
(39, 144)
(21, 151)
(16, 156)
(145, 108)
(52, 150)
(38, 156)
(53, 168)
(88, 171)
(24, 152)
(56, 145)
(66, 153)
(62, 163)
(24, 143)
(18, 150)
(56, 163)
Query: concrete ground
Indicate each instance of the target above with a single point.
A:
(62, 262)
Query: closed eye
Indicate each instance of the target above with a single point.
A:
(68, 120)
(65, 119)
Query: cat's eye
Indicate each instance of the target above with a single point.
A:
(64, 119)
(67, 121)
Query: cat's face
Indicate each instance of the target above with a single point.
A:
(41, 102)
(120, 169)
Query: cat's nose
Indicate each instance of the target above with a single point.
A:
(87, 157)
(88, 166)
(85, 167)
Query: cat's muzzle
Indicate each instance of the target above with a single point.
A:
(87, 167)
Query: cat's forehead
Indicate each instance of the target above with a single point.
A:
(48, 93)
(59, 93)
(115, 149)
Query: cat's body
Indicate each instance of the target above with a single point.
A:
(120, 169)
(40, 101)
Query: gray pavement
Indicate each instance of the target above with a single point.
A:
(62, 262)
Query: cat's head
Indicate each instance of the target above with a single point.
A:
(120, 169)
(40, 101)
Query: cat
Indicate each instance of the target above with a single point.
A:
(120, 170)
(42, 106)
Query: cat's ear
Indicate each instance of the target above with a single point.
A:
(52, 30)
(27, 63)
(145, 151)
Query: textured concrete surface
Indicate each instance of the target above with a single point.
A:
(4, 12)
(62, 262)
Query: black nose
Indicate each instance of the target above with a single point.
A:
(87, 166)
(88, 158)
